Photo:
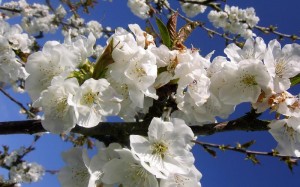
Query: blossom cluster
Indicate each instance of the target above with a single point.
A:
(26, 172)
(273, 81)
(130, 74)
(143, 8)
(232, 19)
(139, 8)
(256, 73)
(193, 9)
(235, 20)
(12, 41)
(79, 27)
(161, 159)
(37, 18)
(20, 171)
(66, 103)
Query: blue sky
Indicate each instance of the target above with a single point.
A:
(228, 169)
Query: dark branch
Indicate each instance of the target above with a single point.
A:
(10, 9)
(119, 132)
(30, 114)
(242, 150)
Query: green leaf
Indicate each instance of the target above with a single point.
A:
(295, 80)
(164, 33)
(247, 144)
(210, 151)
(103, 61)
(223, 147)
(289, 162)
(253, 158)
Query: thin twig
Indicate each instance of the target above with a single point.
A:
(30, 114)
(265, 30)
(241, 150)
(271, 29)
(201, 25)
(52, 172)
(10, 9)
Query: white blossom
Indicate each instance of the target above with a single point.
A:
(252, 49)
(193, 9)
(26, 172)
(143, 39)
(166, 148)
(94, 101)
(139, 8)
(59, 116)
(183, 180)
(245, 83)
(282, 64)
(287, 134)
(77, 172)
(134, 68)
(53, 60)
(94, 27)
(132, 173)
(235, 20)
(80, 46)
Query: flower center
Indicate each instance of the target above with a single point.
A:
(61, 106)
(290, 132)
(140, 72)
(172, 65)
(89, 98)
(280, 67)
(249, 80)
(159, 148)
(81, 175)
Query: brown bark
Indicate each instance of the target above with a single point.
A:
(119, 132)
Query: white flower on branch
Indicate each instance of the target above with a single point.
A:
(94, 101)
(139, 8)
(134, 68)
(59, 116)
(183, 180)
(80, 171)
(26, 172)
(245, 83)
(167, 147)
(55, 59)
(193, 9)
(282, 64)
(252, 49)
(235, 20)
(287, 133)
(133, 172)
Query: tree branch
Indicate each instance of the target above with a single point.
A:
(120, 131)
(30, 114)
(291, 161)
